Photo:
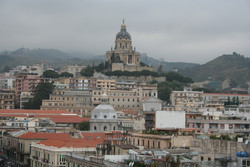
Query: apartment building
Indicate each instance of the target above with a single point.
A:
(7, 99)
(25, 97)
(225, 97)
(105, 84)
(220, 126)
(82, 83)
(78, 102)
(52, 152)
(17, 145)
(123, 99)
(26, 83)
(148, 141)
(186, 98)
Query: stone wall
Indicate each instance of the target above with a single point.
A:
(208, 146)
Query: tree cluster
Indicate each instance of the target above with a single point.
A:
(174, 76)
(133, 73)
(174, 82)
(84, 126)
(87, 72)
(42, 91)
(53, 74)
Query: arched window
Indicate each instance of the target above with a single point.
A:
(114, 128)
(105, 128)
(94, 127)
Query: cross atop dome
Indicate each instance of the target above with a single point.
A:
(123, 26)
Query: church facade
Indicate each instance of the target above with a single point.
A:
(124, 57)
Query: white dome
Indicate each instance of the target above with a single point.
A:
(103, 111)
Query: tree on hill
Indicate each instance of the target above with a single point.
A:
(205, 90)
(87, 72)
(174, 76)
(6, 68)
(165, 89)
(100, 67)
(50, 74)
(42, 91)
(66, 74)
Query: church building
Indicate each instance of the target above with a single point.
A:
(124, 57)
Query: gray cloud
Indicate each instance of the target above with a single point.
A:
(190, 31)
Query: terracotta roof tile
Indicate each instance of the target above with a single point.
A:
(69, 119)
(56, 136)
(21, 111)
(75, 143)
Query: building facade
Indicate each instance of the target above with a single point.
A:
(75, 70)
(103, 118)
(7, 99)
(124, 57)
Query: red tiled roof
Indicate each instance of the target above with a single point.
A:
(56, 136)
(69, 119)
(21, 111)
(226, 94)
(75, 143)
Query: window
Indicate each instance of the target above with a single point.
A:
(105, 116)
(138, 142)
(222, 126)
(245, 163)
(231, 126)
(105, 128)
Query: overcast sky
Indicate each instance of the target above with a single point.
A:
(177, 30)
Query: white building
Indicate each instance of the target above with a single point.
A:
(170, 119)
(152, 104)
(75, 70)
(7, 83)
(103, 118)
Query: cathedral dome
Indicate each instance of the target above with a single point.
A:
(103, 111)
(123, 33)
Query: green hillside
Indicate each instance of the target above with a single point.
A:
(54, 57)
(231, 66)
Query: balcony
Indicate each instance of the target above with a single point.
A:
(35, 157)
